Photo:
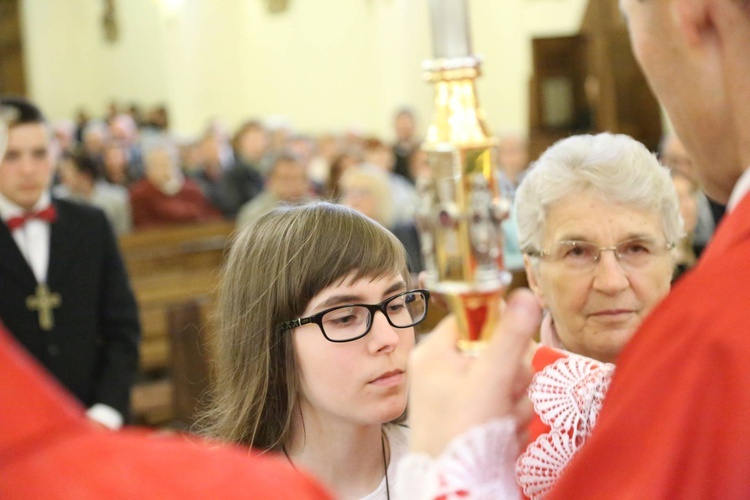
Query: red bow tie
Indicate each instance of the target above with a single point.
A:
(49, 214)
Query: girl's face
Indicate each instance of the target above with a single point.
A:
(359, 382)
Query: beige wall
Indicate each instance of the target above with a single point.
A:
(326, 65)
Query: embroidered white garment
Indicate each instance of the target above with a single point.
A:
(567, 395)
(476, 465)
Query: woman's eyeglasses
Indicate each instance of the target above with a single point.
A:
(632, 254)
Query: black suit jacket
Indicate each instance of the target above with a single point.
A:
(93, 348)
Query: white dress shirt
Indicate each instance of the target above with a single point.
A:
(32, 238)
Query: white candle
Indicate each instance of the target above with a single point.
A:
(450, 28)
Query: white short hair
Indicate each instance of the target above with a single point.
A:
(616, 167)
(160, 142)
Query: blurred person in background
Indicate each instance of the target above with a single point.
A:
(80, 181)
(164, 196)
(287, 183)
(319, 169)
(244, 180)
(123, 128)
(688, 194)
(94, 136)
(405, 128)
(513, 163)
(380, 156)
(116, 166)
(367, 190)
(672, 153)
(340, 165)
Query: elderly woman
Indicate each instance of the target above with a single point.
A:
(164, 196)
(598, 218)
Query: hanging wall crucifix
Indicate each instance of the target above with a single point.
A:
(109, 22)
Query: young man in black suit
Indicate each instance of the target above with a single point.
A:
(65, 293)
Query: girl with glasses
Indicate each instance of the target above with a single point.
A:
(316, 323)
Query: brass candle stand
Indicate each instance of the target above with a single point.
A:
(461, 210)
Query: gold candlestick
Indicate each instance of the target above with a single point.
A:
(461, 209)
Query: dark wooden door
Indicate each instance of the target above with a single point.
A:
(12, 73)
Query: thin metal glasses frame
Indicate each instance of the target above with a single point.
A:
(548, 253)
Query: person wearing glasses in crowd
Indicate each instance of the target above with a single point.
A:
(316, 324)
(597, 220)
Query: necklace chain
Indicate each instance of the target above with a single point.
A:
(385, 465)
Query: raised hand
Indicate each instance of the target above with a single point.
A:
(452, 392)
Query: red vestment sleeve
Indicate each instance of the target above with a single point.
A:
(49, 449)
(676, 420)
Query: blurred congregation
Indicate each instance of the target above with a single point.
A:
(136, 170)
(129, 163)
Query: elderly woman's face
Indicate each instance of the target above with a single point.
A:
(597, 309)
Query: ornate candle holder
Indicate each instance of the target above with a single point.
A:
(461, 210)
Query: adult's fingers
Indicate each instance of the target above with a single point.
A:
(443, 334)
(519, 322)
(438, 345)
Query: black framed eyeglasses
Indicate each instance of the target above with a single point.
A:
(353, 321)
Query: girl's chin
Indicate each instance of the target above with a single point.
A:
(393, 414)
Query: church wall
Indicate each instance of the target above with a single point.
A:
(325, 65)
(69, 64)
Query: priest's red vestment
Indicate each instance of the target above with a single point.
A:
(676, 421)
(49, 449)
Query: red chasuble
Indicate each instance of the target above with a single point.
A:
(49, 449)
(676, 421)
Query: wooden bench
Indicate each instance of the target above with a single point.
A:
(175, 248)
(168, 267)
(190, 333)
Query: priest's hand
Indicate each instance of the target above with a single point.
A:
(451, 392)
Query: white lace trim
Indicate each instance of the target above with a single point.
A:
(567, 395)
(476, 465)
